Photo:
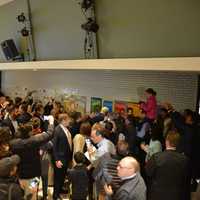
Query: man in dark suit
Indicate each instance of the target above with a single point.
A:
(168, 173)
(10, 120)
(24, 116)
(62, 152)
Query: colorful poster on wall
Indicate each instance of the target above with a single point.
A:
(120, 106)
(75, 103)
(135, 108)
(108, 104)
(96, 104)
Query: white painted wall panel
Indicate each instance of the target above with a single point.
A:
(179, 88)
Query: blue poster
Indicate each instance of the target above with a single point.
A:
(108, 104)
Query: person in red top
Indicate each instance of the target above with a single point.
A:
(150, 106)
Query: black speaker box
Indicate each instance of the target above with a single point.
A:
(9, 49)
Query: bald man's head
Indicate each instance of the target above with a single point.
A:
(127, 167)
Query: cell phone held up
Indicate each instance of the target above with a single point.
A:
(34, 183)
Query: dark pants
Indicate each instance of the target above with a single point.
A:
(90, 184)
(45, 185)
(78, 199)
(59, 178)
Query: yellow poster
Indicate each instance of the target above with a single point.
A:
(75, 103)
(135, 107)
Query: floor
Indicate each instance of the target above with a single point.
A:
(65, 197)
(50, 193)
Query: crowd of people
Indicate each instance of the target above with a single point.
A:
(101, 155)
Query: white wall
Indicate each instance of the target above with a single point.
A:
(128, 28)
(179, 88)
(148, 28)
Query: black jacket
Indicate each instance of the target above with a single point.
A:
(79, 178)
(24, 118)
(33, 141)
(61, 147)
(30, 165)
(15, 189)
(167, 174)
(28, 150)
(8, 123)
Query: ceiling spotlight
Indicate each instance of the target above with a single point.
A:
(21, 18)
(87, 4)
(90, 26)
(25, 32)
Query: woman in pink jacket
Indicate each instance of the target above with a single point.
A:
(150, 106)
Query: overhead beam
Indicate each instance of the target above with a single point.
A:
(186, 64)
(3, 2)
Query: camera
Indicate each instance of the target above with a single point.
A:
(90, 26)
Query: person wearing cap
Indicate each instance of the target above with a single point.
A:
(9, 186)
(105, 110)
(99, 116)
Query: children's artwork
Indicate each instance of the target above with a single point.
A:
(75, 103)
(96, 104)
(120, 106)
(108, 104)
(135, 107)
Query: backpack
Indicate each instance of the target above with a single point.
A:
(6, 191)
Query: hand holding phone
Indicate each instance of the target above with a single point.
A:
(34, 183)
(88, 142)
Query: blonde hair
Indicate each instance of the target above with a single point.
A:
(173, 138)
(99, 128)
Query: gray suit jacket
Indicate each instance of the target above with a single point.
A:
(132, 189)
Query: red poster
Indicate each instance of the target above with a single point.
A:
(120, 106)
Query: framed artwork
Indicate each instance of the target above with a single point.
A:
(96, 104)
(108, 104)
(135, 107)
(75, 103)
(120, 106)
